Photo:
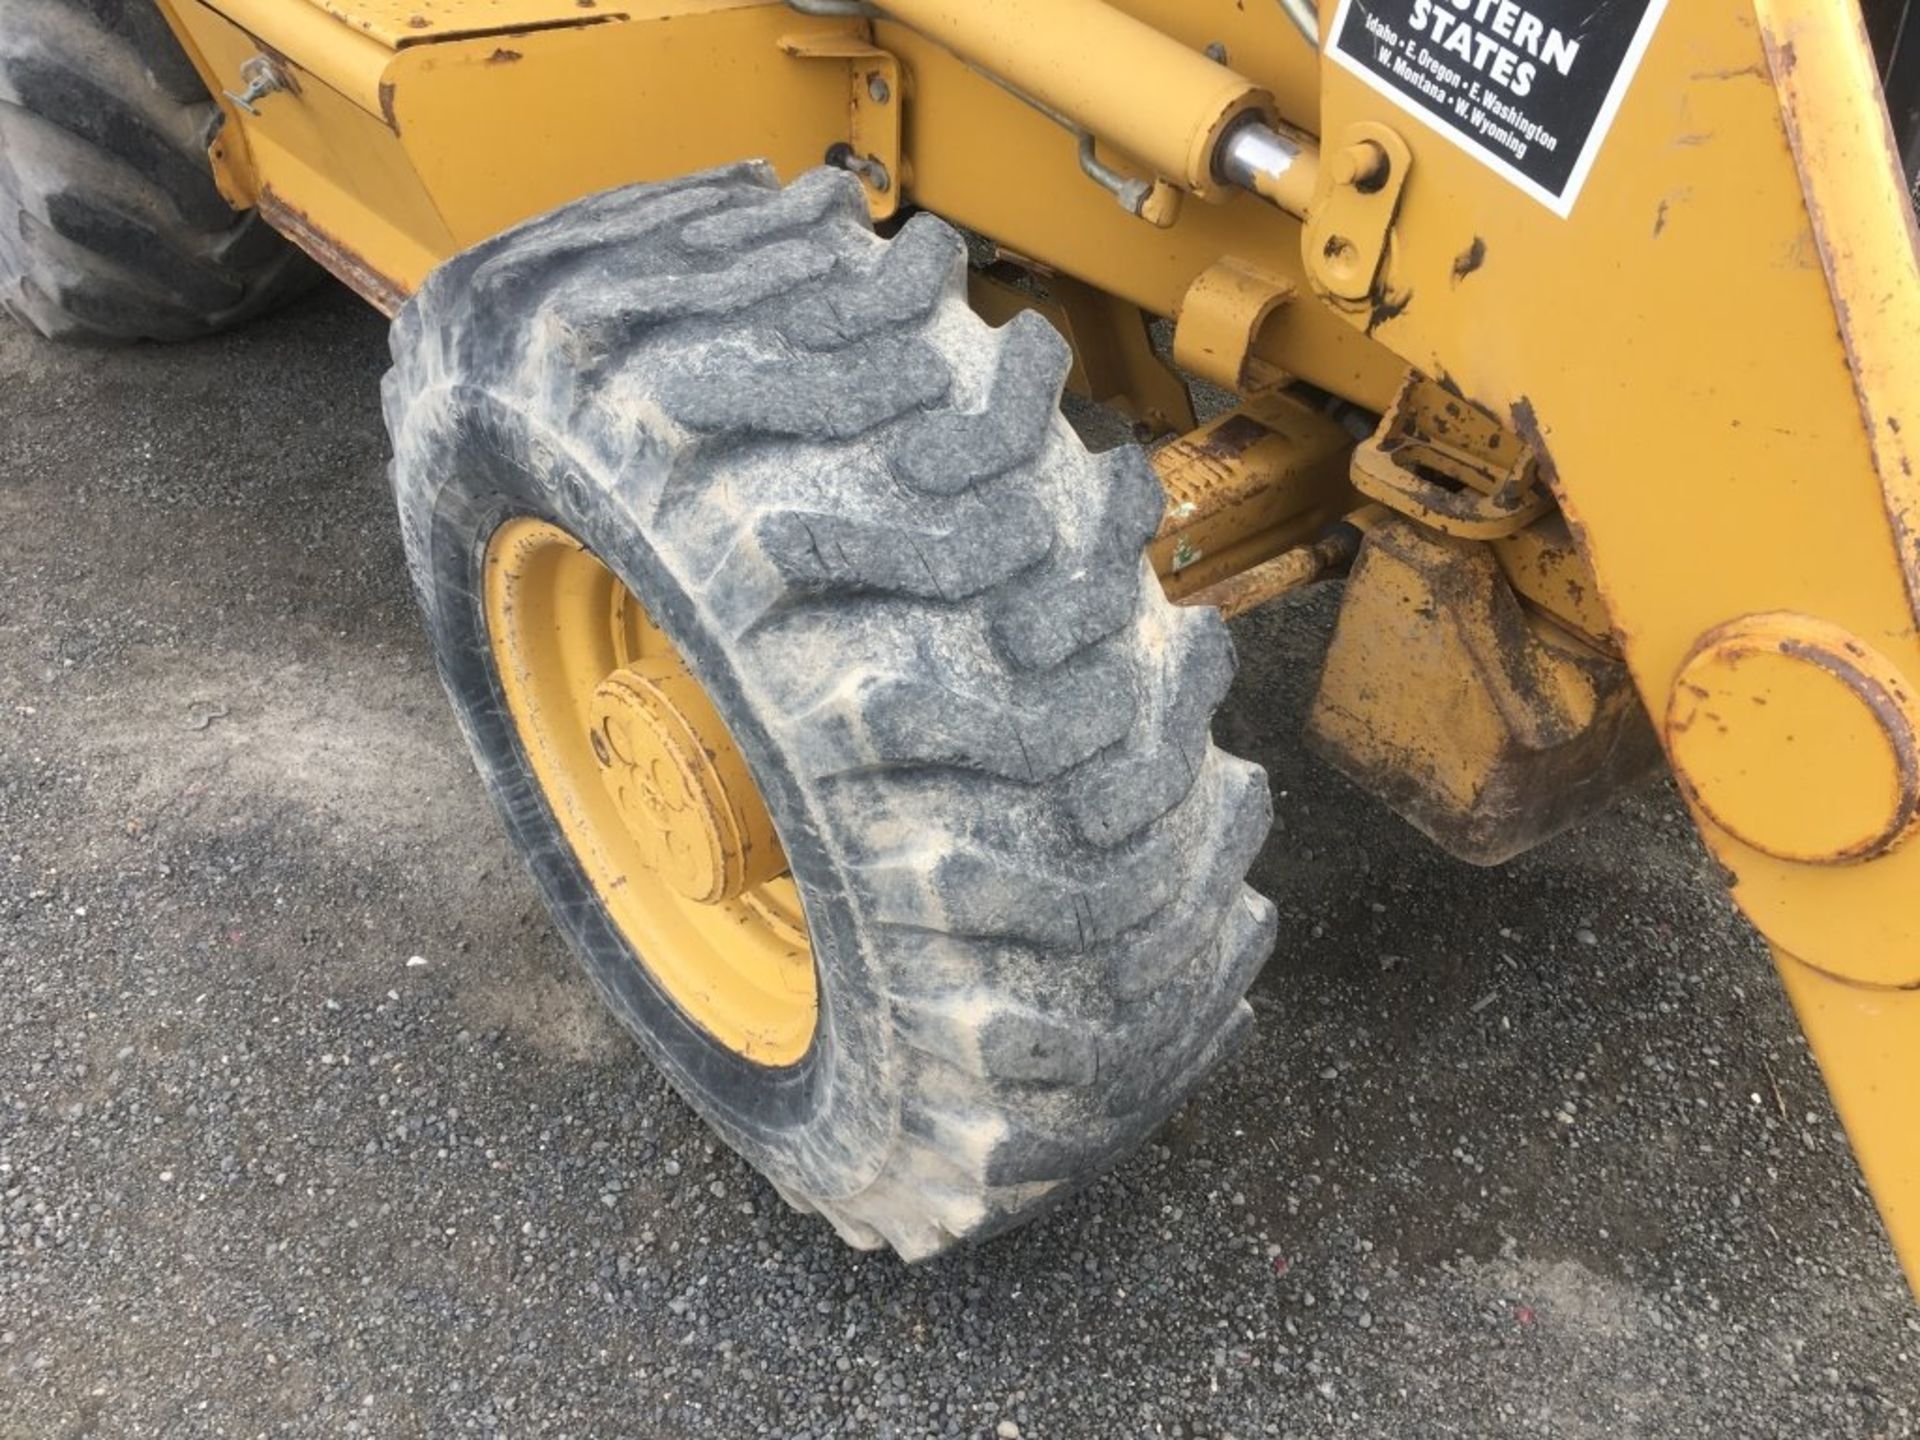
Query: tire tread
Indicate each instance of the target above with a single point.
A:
(1010, 744)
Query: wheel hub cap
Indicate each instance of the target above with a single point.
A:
(667, 763)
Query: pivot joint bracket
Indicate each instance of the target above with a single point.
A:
(1222, 317)
(1447, 464)
(1350, 223)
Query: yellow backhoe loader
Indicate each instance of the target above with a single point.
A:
(851, 714)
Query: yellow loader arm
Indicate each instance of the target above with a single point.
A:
(1719, 350)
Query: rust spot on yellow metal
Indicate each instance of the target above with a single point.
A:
(1388, 308)
(1232, 438)
(503, 56)
(1469, 259)
(1755, 71)
(349, 268)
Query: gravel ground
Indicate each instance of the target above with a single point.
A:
(307, 1125)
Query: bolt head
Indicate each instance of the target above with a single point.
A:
(1363, 166)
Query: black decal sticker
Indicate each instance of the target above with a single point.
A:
(1528, 86)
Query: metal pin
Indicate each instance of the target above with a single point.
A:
(263, 78)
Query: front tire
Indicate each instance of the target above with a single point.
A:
(922, 610)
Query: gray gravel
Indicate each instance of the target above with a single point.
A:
(307, 1125)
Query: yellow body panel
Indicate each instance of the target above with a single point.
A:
(496, 141)
(1713, 354)
(392, 160)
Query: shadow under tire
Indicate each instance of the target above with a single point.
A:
(111, 227)
(922, 609)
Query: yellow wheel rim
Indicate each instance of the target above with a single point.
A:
(651, 792)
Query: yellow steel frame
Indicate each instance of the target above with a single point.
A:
(1713, 354)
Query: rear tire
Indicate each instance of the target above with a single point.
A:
(922, 609)
(111, 227)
